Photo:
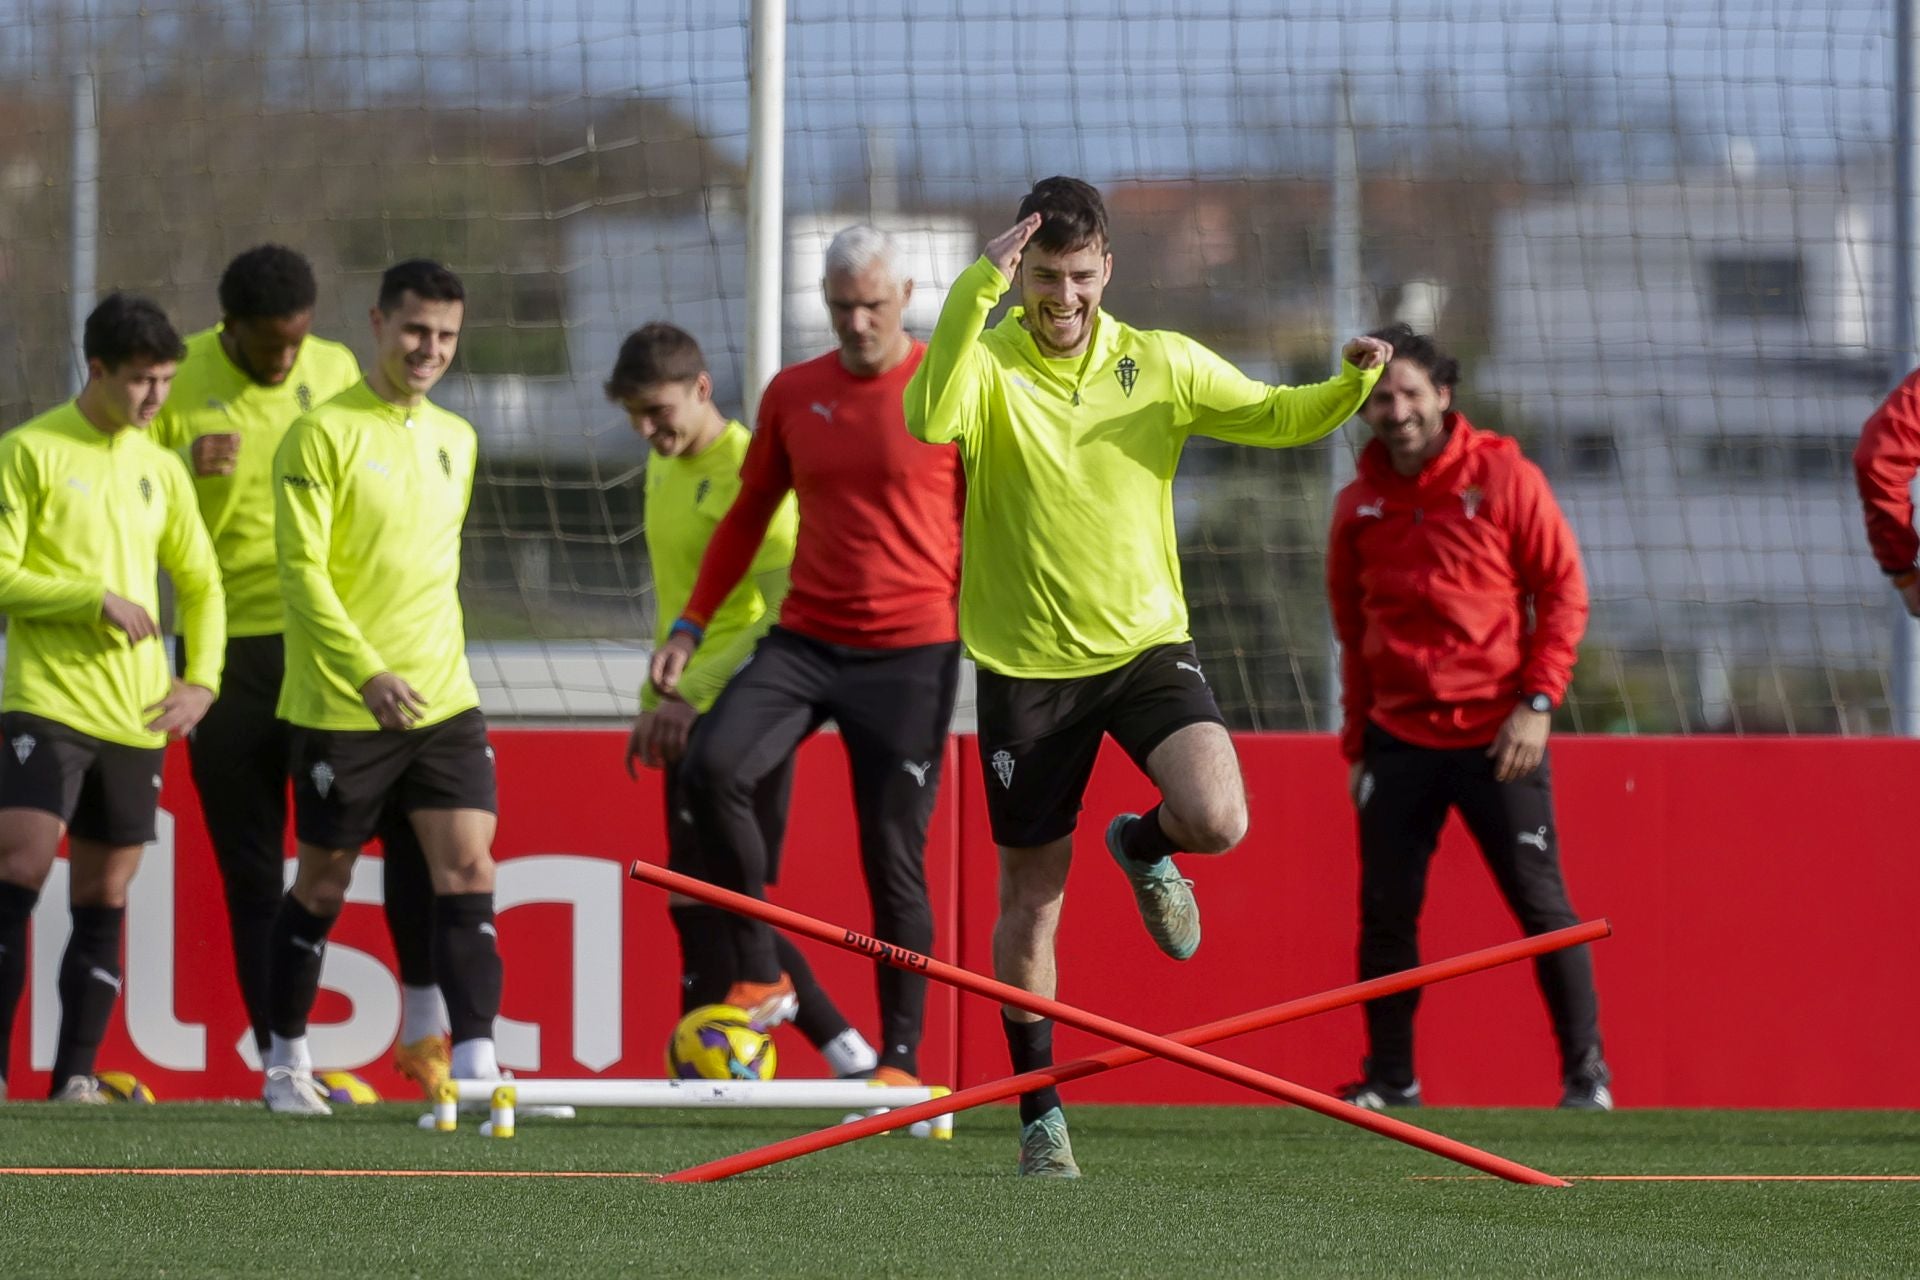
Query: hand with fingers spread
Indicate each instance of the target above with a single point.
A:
(136, 622)
(1367, 353)
(177, 713)
(395, 703)
(659, 736)
(216, 455)
(1004, 250)
(1521, 744)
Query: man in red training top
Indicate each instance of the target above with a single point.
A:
(1884, 464)
(1443, 545)
(868, 635)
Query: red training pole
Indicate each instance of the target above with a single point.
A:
(1160, 1046)
(1107, 1060)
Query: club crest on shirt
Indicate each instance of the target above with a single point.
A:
(322, 778)
(304, 395)
(23, 746)
(1470, 500)
(446, 464)
(1128, 371)
(146, 490)
(701, 490)
(1003, 769)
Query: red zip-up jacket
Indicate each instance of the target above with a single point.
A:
(1432, 579)
(1884, 463)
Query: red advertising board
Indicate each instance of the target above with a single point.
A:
(1763, 893)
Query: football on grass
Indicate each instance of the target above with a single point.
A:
(345, 1089)
(716, 1042)
(121, 1086)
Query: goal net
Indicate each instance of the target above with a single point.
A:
(1657, 235)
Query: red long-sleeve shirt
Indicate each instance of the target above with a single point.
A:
(1884, 463)
(1431, 578)
(877, 564)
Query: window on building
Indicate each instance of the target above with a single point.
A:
(1792, 458)
(1819, 457)
(1591, 455)
(1757, 288)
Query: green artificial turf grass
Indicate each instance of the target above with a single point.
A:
(1168, 1191)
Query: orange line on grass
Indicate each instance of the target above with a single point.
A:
(313, 1173)
(1748, 1177)
(1699, 1177)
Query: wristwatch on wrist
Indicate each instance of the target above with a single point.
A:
(1537, 702)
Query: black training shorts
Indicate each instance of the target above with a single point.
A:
(103, 791)
(1039, 738)
(344, 779)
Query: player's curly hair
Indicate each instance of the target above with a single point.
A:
(127, 327)
(1072, 215)
(652, 354)
(267, 282)
(1442, 369)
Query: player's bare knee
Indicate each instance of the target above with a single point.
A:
(322, 879)
(25, 867)
(1032, 895)
(1231, 830)
(321, 898)
(29, 843)
(468, 871)
(99, 891)
(1216, 828)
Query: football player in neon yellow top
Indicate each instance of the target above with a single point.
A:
(90, 511)
(1070, 425)
(243, 383)
(371, 490)
(660, 379)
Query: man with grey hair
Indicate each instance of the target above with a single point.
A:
(868, 634)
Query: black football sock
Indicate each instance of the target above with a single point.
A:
(466, 956)
(16, 908)
(1030, 1045)
(706, 955)
(299, 945)
(407, 900)
(89, 986)
(1144, 841)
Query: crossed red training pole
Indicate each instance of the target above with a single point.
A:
(1150, 1044)
(1240, 1024)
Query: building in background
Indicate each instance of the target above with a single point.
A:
(1692, 361)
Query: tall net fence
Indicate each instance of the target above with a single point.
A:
(1657, 234)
